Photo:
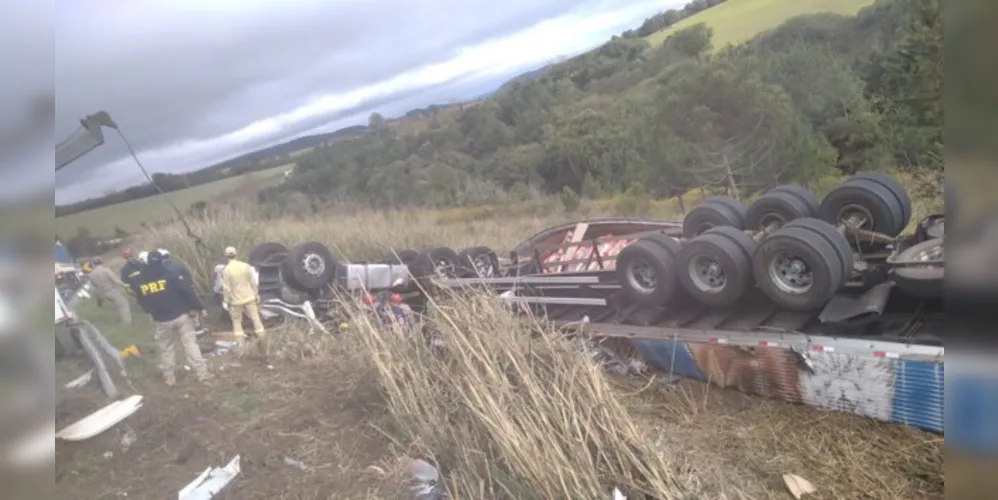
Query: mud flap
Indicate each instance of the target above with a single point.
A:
(857, 310)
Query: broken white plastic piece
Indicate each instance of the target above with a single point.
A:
(617, 495)
(798, 486)
(81, 381)
(210, 482)
(102, 419)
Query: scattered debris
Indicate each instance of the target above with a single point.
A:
(614, 363)
(798, 486)
(127, 439)
(210, 482)
(101, 420)
(296, 464)
(108, 455)
(424, 478)
(81, 381)
(375, 473)
(618, 495)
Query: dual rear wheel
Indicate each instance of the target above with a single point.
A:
(786, 243)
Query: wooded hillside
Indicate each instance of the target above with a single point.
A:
(821, 93)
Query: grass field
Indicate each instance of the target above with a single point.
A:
(737, 21)
(370, 395)
(130, 215)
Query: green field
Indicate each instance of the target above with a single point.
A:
(737, 21)
(131, 214)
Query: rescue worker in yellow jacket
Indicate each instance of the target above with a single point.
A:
(241, 294)
(108, 286)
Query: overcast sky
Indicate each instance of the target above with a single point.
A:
(194, 82)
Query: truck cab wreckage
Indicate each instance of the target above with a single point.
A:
(824, 303)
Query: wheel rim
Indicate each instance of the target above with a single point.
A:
(856, 216)
(641, 276)
(790, 274)
(707, 274)
(313, 264)
(444, 267)
(483, 266)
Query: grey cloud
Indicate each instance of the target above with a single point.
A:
(168, 77)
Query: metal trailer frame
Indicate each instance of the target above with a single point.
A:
(892, 380)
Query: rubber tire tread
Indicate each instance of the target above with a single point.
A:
(263, 251)
(294, 275)
(736, 263)
(896, 189)
(665, 241)
(883, 205)
(786, 205)
(736, 207)
(832, 235)
(744, 241)
(663, 263)
(714, 213)
(802, 194)
(813, 248)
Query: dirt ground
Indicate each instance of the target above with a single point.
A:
(306, 432)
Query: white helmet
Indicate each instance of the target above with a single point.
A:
(164, 252)
(144, 257)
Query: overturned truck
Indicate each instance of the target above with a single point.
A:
(824, 303)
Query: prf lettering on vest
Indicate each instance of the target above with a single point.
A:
(152, 287)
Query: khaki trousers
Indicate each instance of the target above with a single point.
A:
(251, 310)
(121, 305)
(168, 334)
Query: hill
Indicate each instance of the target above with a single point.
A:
(131, 216)
(739, 95)
(737, 21)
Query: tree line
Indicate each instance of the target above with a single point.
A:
(820, 94)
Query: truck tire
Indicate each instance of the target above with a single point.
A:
(922, 282)
(832, 235)
(428, 263)
(263, 252)
(477, 262)
(399, 257)
(714, 211)
(665, 241)
(308, 267)
(777, 207)
(802, 194)
(647, 273)
(868, 198)
(714, 269)
(797, 269)
(895, 187)
(744, 241)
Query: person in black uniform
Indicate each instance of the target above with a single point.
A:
(131, 269)
(171, 301)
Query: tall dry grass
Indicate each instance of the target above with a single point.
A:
(508, 409)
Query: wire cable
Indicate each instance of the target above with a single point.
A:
(198, 242)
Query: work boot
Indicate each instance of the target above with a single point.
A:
(169, 379)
